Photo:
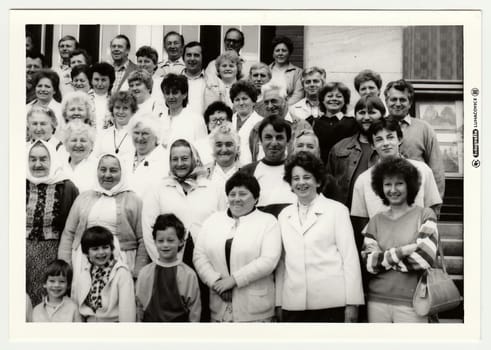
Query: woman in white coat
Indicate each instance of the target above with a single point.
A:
(319, 277)
(236, 253)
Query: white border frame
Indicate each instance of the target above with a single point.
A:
(311, 333)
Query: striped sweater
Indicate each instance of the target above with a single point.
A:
(396, 250)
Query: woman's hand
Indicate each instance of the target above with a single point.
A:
(408, 249)
(226, 296)
(351, 314)
(224, 284)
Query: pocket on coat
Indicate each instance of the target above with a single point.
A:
(260, 300)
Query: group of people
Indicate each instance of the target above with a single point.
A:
(243, 192)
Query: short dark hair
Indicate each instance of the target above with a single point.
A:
(241, 178)
(308, 162)
(53, 77)
(164, 221)
(172, 32)
(336, 85)
(370, 102)
(283, 40)
(402, 86)
(59, 267)
(217, 106)
(177, 82)
(278, 124)
(124, 97)
(82, 68)
(34, 54)
(244, 86)
(193, 44)
(233, 29)
(125, 38)
(105, 69)
(367, 75)
(388, 123)
(66, 38)
(148, 51)
(82, 52)
(96, 236)
(396, 167)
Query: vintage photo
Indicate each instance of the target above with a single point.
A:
(190, 171)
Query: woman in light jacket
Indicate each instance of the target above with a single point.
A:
(236, 253)
(319, 278)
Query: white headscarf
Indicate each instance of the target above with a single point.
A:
(197, 170)
(55, 174)
(122, 185)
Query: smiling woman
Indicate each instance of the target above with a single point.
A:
(110, 204)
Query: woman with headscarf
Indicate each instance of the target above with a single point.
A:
(151, 161)
(80, 164)
(49, 197)
(186, 192)
(110, 204)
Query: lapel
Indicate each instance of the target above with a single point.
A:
(131, 67)
(313, 215)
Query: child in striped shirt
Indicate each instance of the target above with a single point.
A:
(399, 244)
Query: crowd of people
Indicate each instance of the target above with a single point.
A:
(166, 191)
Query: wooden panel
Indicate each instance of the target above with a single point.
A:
(251, 47)
(433, 52)
(296, 35)
(453, 247)
(130, 32)
(451, 230)
(454, 264)
(190, 33)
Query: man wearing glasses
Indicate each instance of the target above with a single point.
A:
(233, 40)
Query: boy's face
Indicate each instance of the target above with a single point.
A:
(386, 143)
(395, 190)
(100, 255)
(56, 287)
(167, 244)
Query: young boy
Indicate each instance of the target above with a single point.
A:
(398, 243)
(105, 290)
(57, 306)
(167, 290)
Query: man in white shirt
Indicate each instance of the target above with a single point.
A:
(313, 79)
(66, 45)
(233, 40)
(193, 60)
(173, 45)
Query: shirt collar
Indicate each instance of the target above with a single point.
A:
(178, 62)
(339, 115)
(122, 67)
(200, 75)
(406, 119)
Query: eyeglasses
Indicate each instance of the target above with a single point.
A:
(232, 41)
(217, 121)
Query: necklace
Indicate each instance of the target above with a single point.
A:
(116, 148)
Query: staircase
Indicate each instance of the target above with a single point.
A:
(452, 240)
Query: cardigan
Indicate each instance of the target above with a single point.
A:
(129, 227)
(187, 283)
(117, 296)
(320, 267)
(244, 133)
(293, 79)
(192, 209)
(255, 252)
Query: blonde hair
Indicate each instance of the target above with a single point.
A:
(81, 97)
(226, 128)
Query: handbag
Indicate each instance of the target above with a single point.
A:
(436, 291)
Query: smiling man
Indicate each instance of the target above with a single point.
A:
(193, 60)
(66, 45)
(120, 49)
(420, 141)
(173, 45)
(385, 137)
(275, 134)
(313, 79)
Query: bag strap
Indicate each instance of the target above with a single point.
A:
(440, 252)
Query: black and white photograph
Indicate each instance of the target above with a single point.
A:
(243, 170)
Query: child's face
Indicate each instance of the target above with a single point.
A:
(395, 190)
(56, 287)
(167, 244)
(100, 255)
